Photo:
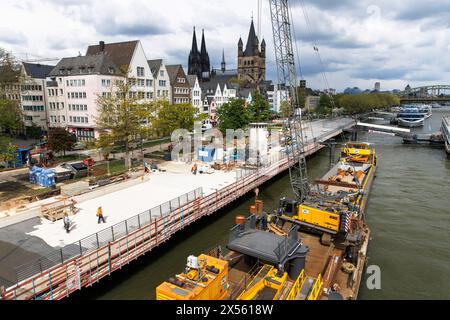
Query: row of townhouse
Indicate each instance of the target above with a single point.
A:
(66, 95)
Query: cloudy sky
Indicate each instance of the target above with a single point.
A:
(396, 42)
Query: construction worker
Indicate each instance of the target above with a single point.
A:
(66, 221)
(100, 216)
(194, 169)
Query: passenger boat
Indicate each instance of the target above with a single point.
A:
(414, 116)
(315, 250)
(446, 133)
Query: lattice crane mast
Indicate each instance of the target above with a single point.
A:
(287, 75)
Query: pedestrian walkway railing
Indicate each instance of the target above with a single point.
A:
(102, 238)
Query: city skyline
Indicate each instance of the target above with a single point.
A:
(360, 44)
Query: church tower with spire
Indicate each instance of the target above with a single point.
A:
(252, 61)
(199, 63)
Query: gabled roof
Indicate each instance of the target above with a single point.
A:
(192, 79)
(99, 64)
(121, 53)
(155, 66)
(37, 71)
(173, 71)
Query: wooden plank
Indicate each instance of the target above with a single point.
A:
(337, 184)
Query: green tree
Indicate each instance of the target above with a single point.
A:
(34, 132)
(172, 117)
(10, 80)
(11, 116)
(325, 106)
(7, 150)
(122, 113)
(259, 108)
(285, 109)
(61, 140)
(233, 115)
(106, 144)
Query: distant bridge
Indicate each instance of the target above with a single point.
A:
(426, 94)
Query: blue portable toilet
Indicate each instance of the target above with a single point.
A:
(22, 155)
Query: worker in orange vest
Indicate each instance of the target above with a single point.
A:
(100, 216)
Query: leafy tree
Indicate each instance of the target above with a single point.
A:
(7, 150)
(105, 143)
(233, 115)
(11, 116)
(34, 132)
(325, 106)
(362, 103)
(285, 109)
(259, 109)
(122, 113)
(60, 140)
(10, 79)
(172, 117)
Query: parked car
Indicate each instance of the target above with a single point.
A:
(79, 146)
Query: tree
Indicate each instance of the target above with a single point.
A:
(285, 109)
(172, 117)
(105, 144)
(34, 132)
(11, 116)
(10, 80)
(122, 113)
(233, 115)
(7, 150)
(259, 109)
(325, 106)
(60, 140)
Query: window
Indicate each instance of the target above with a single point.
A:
(140, 72)
(161, 73)
(149, 83)
(162, 83)
(111, 70)
(181, 80)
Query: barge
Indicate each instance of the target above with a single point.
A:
(314, 250)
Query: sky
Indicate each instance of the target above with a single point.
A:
(360, 42)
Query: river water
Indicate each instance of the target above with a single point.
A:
(409, 214)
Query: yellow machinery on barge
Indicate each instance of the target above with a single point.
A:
(210, 280)
(333, 270)
(339, 198)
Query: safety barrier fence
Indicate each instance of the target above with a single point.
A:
(85, 263)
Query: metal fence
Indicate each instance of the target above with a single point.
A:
(104, 237)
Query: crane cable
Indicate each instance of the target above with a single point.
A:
(300, 69)
(316, 50)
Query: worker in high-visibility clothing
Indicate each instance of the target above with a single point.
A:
(100, 216)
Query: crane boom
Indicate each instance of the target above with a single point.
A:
(287, 75)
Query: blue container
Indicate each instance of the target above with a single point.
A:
(206, 154)
(34, 172)
(46, 178)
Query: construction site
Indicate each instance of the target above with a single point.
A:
(40, 258)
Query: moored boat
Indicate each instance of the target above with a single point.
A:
(414, 115)
(446, 133)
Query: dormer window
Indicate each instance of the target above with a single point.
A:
(111, 70)
(69, 71)
(61, 71)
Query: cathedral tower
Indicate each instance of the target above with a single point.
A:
(252, 61)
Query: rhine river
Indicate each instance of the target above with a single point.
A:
(409, 214)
